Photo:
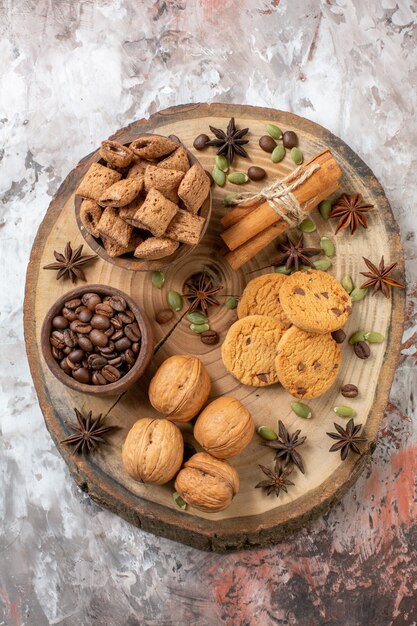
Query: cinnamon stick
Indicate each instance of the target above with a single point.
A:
(319, 186)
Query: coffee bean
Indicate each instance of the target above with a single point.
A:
(132, 331)
(135, 347)
(72, 304)
(85, 343)
(69, 314)
(97, 378)
(109, 332)
(90, 300)
(98, 338)
(339, 335)
(110, 373)
(96, 361)
(80, 327)
(127, 317)
(64, 366)
(129, 357)
(67, 350)
(57, 339)
(70, 338)
(104, 309)
(362, 350)
(256, 173)
(102, 322)
(164, 316)
(349, 391)
(200, 141)
(209, 337)
(116, 322)
(83, 314)
(122, 344)
(118, 303)
(118, 335)
(57, 354)
(289, 139)
(267, 143)
(60, 322)
(76, 356)
(82, 375)
(84, 363)
(116, 362)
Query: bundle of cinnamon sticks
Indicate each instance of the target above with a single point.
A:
(251, 226)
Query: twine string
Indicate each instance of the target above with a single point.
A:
(279, 194)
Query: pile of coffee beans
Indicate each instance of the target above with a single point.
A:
(96, 339)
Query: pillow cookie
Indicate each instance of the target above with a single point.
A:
(97, 179)
(315, 301)
(261, 297)
(194, 188)
(307, 364)
(250, 349)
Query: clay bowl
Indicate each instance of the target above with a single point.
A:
(128, 261)
(141, 363)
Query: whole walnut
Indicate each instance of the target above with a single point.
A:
(224, 428)
(153, 450)
(207, 483)
(180, 388)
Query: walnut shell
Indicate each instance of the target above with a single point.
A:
(207, 483)
(224, 428)
(180, 388)
(153, 451)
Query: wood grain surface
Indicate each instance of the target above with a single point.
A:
(252, 519)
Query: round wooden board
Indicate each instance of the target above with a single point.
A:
(253, 519)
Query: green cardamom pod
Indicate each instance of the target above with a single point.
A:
(281, 269)
(373, 337)
(228, 199)
(327, 246)
(358, 336)
(325, 207)
(307, 226)
(222, 163)
(278, 154)
(179, 501)
(196, 317)
(231, 302)
(302, 410)
(267, 433)
(238, 178)
(219, 177)
(296, 156)
(344, 411)
(358, 294)
(322, 264)
(274, 131)
(199, 328)
(175, 300)
(347, 284)
(158, 279)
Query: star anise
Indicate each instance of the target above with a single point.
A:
(277, 479)
(201, 292)
(346, 438)
(88, 434)
(285, 447)
(68, 263)
(350, 210)
(230, 142)
(379, 277)
(294, 254)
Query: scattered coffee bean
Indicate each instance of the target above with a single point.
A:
(209, 337)
(362, 350)
(289, 139)
(267, 143)
(256, 173)
(349, 391)
(201, 141)
(164, 316)
(339, 335)
(60, 322)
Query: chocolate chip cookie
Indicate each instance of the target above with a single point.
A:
(307, 363)
(261, 297)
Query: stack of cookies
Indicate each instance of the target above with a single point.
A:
(146, 198)
(284, 332)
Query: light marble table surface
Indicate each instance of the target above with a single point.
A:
(71, 73)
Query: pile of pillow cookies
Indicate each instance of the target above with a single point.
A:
(145, 200)
(284, 332)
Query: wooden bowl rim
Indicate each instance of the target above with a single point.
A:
(143, 359)
(142, 265)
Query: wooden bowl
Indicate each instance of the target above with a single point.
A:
(143, 358)
(128, 262)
